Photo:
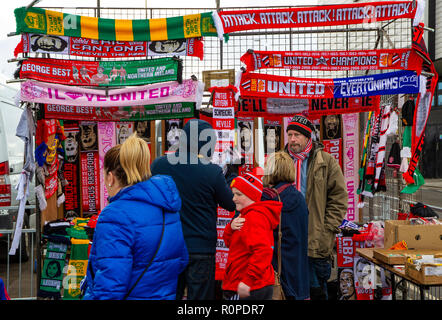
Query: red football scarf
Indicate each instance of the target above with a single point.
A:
(71, 165)
(332, 15)
(298, 158)
(404, 59)
(423, 102)
(315, 108)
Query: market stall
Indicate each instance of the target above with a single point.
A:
(77, 109)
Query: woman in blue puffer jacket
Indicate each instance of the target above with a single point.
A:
(130, 228)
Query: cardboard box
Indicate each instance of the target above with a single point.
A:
(426, 236)
(427, 274)
(395, 257)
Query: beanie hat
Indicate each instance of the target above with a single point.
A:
(248, 184)
(302, 125)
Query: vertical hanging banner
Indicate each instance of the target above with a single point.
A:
(331, 128)
(245, 140)
(346, 14)
(223, 120)
(351, 163)
(71, 170)
(106, 140)
(42, 21)
(90, 182)
(84, 47)
(423, 103)
(222, 252)
(272, 135)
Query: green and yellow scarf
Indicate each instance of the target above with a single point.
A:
(38, 20)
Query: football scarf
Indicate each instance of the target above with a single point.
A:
(298, 158)
(223, 121)
(350, 123)
(158, 93)
(76, 269)
(38, 20)
(379, 179)
(272, 86)
(240, 20)
(403, 59)
(52, 272)
(106, 140)
(371, 155)
(423, 102)
(314, 108)
(364, 160)
(89, 167)
(102, 73)
(130, 113)
(84, 47)
(71, 167)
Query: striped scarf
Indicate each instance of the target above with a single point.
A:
(38, 20)
(298, 158)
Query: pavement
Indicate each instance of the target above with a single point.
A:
(433, 183)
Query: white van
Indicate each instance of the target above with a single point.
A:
(11, 157)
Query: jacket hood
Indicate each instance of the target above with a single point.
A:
(159, 190)
(270, 209)
(200, 137)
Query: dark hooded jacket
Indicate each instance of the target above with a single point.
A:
(201, 185)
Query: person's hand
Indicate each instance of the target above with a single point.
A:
(237, 223)
(243, 290)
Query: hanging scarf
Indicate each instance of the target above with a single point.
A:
(38, 20)
(298, 158)
(228, 21)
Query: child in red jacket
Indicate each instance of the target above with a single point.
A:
(249, 237)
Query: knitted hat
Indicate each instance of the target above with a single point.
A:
(248, 184)
(301, 124)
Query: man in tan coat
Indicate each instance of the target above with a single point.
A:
(320, 180)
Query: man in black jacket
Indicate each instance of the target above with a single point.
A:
(202, 188)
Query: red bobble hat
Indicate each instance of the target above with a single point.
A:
(248, 184)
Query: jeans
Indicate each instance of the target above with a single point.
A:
(319, 273)
(198, 277)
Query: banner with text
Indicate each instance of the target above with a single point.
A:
(272, 86)
(160, 93)
(84, 47)
(404, 59)
(228, 21)
(314, 108)
(102, 73)
(129, 113)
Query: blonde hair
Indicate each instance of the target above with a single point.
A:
(130, 161)
(278, 168)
